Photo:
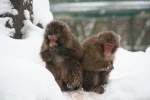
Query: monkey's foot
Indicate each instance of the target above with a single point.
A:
(99, 89)
(74, 83)
(71, 87)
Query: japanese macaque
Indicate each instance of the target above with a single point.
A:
(98, 59)
(62, 53)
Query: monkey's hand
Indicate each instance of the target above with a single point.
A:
(65, 52)
(46, 56)
(108, 68)
(99, 89)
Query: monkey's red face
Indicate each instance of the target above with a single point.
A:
(52, 40)
(108, 47)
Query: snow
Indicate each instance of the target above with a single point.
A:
(132, 81)
(5, 6)
(129, 80)
(14, 11)
(27, 14)
(41, 11)
(23, 75)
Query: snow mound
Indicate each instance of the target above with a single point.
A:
(148, 50)
(5, 6)
(24, 77)
(22, 73)
(128, 81)
(41, 10)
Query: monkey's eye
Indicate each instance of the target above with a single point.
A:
(49, 33)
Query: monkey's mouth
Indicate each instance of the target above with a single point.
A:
(107, 50)
(52, 41)
(52, 44)
(108, 46)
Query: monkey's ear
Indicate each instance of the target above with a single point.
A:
(98, 34)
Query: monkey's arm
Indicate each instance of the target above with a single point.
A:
(45, 53)
(46, 56)
(76, 49)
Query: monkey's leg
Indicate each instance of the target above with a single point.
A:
(88, 80)
(74, 77)
(94, 82)
(102, 80)
(99, 89)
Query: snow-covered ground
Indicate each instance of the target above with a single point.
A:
(5, 6)
(42, 12)
(23, 75)
(129, 80)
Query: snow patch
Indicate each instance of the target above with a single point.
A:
(27, 14)
(41, 11)
(22, 73)
(5, 6)
(148, 50)
(14, 11)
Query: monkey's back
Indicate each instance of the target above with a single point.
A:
(93, 59)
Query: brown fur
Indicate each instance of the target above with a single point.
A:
(96, 69)
(63, 60)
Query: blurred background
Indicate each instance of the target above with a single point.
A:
(130, 19)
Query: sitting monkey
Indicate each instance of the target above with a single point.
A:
(62, 53)
(98, 59)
